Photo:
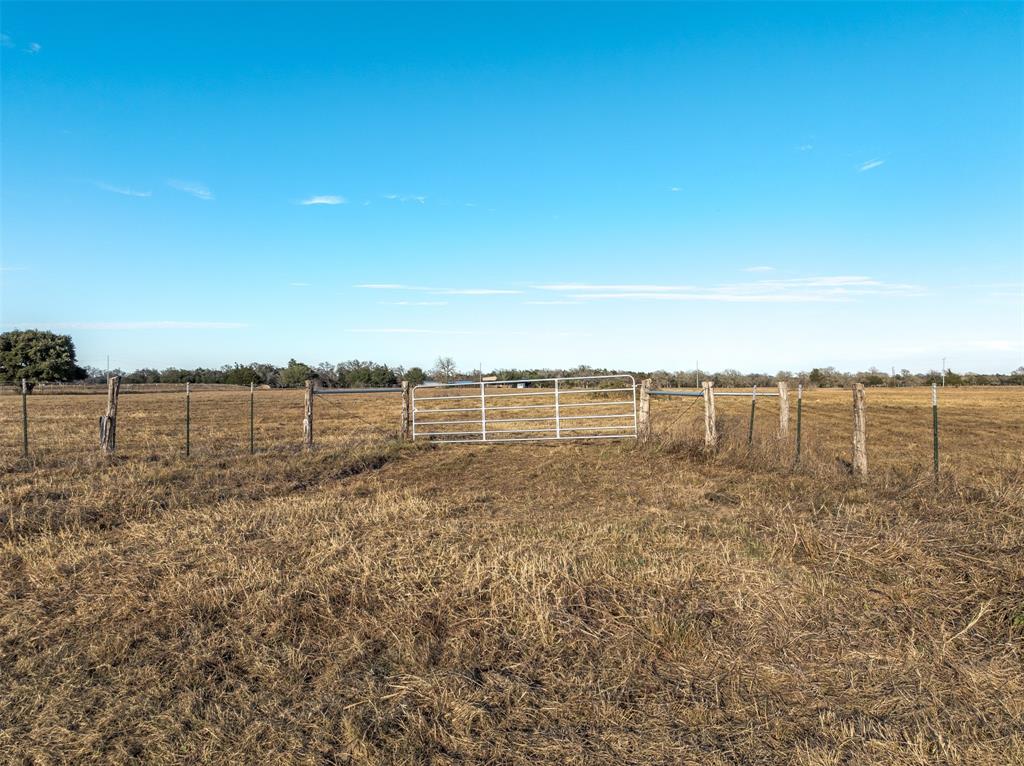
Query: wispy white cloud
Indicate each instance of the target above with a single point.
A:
(441, 290)
(996, 344)
(33, 48)
(759, 268)
(324, 199)
(420, 198)
(552, 303)
(157, 325)
(474, 291)
(805, 147)
(870, 165)
(414, 303)
(194, 188)
(488, 333)
(6, 41)
(831, 289)
(675, 189)
(582, 287)
(124, 190)
(413, 331)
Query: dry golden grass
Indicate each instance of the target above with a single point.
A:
(578, 603)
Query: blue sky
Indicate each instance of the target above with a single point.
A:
(754, 186)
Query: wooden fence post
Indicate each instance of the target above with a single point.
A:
(307, 421)
(799, 417)
(24, 418)
(252, 417)
(783, 410)
(108, 423)
(405, 411)
(710, 427)
(753, 409)
(860, 446)
(644, 421)
(188, 419)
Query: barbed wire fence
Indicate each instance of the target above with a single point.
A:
(789, 435)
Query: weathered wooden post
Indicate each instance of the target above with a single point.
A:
(783, 410)
(860, 446)
(108, 423)
(307, 421)
(24, 418)
(188, 419)
(710, 427)
(935, 431)
(644, 421)
(405, 411)
(799, 417)
(753, 409)
(252, 417)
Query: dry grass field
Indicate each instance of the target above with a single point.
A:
(378, 602)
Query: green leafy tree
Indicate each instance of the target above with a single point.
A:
(295, 374)
(38, 355)
(242, 375)
(415, 376)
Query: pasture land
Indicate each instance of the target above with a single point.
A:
(379, 602)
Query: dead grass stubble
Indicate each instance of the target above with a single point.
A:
(523, 604)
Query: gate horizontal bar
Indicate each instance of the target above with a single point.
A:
(357, 390)
(539, 439)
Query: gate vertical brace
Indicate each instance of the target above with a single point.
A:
(483, 413)
(558, 422)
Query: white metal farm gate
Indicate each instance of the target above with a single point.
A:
(541, 409)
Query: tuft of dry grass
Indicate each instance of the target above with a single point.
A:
(576, 603)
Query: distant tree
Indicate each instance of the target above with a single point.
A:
(38, 355)
(242, 375)
(827, 376)
(415, 376)
(328, 375)
(295, 374)
(357, 374)
(444, 369)
(94, 375)
(144, 375)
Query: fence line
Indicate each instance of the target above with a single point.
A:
(859, 464)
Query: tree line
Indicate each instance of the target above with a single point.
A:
(41, 356)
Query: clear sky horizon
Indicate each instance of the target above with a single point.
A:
(754, 186)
